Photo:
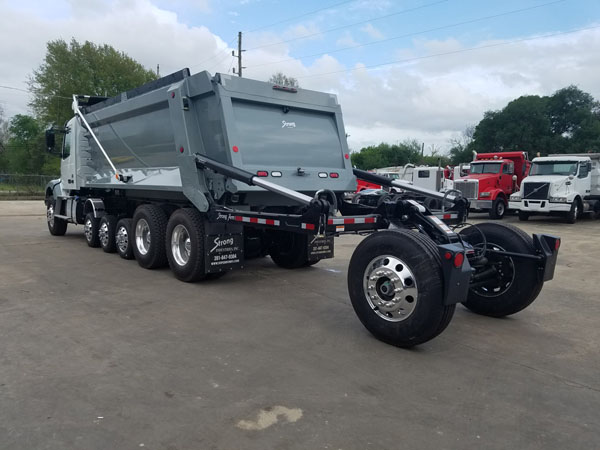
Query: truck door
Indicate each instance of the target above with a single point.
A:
(67, 164)
(506, 183)
(583, 180)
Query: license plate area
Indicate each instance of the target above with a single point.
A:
(320, 247)
(224, 252)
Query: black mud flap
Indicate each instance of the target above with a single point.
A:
(547, 246)
(320, 247)
(456, 279)
(224, 252)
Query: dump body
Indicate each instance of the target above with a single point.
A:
(151, 134)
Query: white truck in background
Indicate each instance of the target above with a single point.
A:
(567, 185)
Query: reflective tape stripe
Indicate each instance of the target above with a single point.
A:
(350, 220)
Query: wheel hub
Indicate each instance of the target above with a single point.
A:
(103, 234)
(142, 236)
(390, 288)
(181, 245)
(122, 239)
(503, 279)
(50, 215)
(87, 230)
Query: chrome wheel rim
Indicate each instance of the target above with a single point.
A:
(181, 245)
(122, 239)
(142, 236)
(103, 234)
(390, 288)
(88, 229)
(50, 215)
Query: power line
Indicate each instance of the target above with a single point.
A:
(499, 44)
(306, 36)
(219, 52)
(31, 92)
(379, 41)
(299, 16)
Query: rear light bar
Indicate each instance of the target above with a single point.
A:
(276, 174)
(262, 173)
(322, 174)
(334, 175)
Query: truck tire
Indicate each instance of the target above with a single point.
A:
(124, 239)
(106, 233)
(498, 209)
(289, 249)
(404, 260)
(575, 212)
(185, 244)
(518, 282)
(523, 216)
(56, 226)
(90, 230)
(149, 230)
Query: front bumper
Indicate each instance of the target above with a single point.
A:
(480, 204)
(539, 206)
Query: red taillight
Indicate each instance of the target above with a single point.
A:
(180, 149)
(235, 149)
(448, 255)
(347, 156)
(262, 173)
(556, 245)
(459, 259)
(334, 175)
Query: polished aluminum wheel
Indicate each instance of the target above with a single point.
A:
(181, 245)
(50, 215)
(122, 239)
(103, 234)
(88, 228)
(390, 288)
(142, 236)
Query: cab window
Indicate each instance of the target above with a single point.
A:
(66, 149)
(584, 169)
(507, 168)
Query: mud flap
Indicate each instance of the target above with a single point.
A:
(456, 279)
(320, 247)
(547, 246)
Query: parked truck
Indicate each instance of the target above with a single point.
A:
(493, 177)
(567, 185)
(202, 172)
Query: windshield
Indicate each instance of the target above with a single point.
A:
(554, 168)
(485, 167)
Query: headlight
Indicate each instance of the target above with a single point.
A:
(558, 199)
(485, 194)
(515, 197)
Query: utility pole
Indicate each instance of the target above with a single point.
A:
(239, 55)
(158, 71)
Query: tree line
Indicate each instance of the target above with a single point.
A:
(68, 68)
(567, 121)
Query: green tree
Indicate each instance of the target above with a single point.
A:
(283, 80)
(460, 148)
(566, 122)
(3, 141)
(24, 149)
(386, 155)
(75, 68)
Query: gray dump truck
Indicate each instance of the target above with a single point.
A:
(203, 172)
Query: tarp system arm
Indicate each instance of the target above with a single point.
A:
(78, 112)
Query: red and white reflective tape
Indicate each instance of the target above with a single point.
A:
(447, 216)
(256, 220)
(351, 220)
(307, 226)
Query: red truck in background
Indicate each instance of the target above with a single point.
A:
(493, 177)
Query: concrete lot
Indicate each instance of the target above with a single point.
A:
(98, 353)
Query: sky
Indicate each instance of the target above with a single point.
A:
(402, 69)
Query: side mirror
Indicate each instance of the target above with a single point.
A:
(50, 140)
(571, 176)
(514, 178)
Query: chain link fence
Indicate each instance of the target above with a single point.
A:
(21, 187)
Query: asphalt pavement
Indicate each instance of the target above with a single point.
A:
(98, 353)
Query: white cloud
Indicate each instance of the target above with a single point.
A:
(346, 40)
(372, 31)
